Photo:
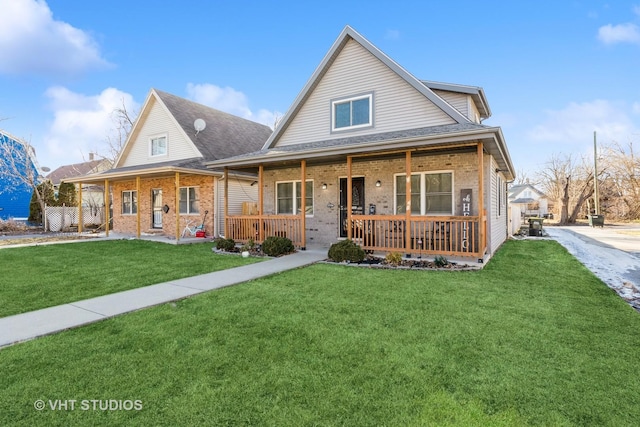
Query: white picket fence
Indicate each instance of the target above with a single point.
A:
(62, 218)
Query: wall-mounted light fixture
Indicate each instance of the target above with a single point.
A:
(324, 185)
(498, 170)
(378, 183)
(254, 183)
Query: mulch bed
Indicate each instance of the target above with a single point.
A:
(405, 264)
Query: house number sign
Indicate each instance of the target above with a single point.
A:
(465, 202)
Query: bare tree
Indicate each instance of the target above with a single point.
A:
(568, 182)
(621, 180)
(123, 120)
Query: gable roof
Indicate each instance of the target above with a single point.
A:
(224, 135)
(70, 171)
(476, 92)
(517, 189)
(345, 36)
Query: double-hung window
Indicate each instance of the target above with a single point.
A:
(289, 198)
(158, 146)
(431, 193)
(129, 202)
(352, 113)
(189, 203)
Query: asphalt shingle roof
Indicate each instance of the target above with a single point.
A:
(225, 135)
(71, 171)
(355, 140)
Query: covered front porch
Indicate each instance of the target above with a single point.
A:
(394, 229)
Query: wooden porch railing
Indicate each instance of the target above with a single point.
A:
(429, 235)
(435, 235)
(241, 228)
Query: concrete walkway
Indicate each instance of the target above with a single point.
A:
(26, 326)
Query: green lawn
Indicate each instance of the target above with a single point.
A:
(42, 276)
(533, 339)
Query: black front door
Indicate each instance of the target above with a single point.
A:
(357, 201)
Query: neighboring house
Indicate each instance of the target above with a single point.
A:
(528, 200)
(17, 163)
(358, 128)
(92, 195)
(160, 180)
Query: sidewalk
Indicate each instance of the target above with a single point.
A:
(26, 326)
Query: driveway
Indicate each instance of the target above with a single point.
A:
(612, 253)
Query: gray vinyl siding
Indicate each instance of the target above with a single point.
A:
(496, 217)
(239, 191)
(461, 102)
(396, 104)
(159, 122)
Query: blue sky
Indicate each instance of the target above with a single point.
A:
(553, 71)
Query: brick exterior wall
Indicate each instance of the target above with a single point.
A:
(123, 223)
(323, 226)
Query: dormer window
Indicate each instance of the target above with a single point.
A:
(352, 113)
(158, 146)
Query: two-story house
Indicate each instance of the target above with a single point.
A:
(371, 153)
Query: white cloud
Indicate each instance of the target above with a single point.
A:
(574, 125)
(230, 101)
(81, 123)
(31, 41)
(622, 33)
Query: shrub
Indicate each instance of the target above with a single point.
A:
(12, 226)
(276, 246)
(346, 250)
(226, 244)
(440, 261)
(393, 258)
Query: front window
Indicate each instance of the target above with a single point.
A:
(189, 203)
(287, 204)
(129, 202)
(159, 146)
(431, 193)
(350, 113)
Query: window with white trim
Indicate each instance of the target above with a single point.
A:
(352, 113)
(431, 193)
(287, 204)
(129, 202)
(189, 202)
(158, 146)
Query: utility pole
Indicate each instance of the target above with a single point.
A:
(596, 198)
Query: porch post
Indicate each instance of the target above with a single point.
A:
(260, 203)
(349, 198)
(80, 219)
(303, 202)
(138, 209)
(106, 207)
(407, 228)
(226, 203)
(177, 208)
(481, 209)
